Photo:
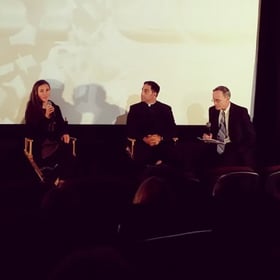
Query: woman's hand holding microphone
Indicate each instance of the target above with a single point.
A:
(49, 109)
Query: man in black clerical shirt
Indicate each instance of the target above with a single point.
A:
(152, 124)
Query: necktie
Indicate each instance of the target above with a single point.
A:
(221, 133)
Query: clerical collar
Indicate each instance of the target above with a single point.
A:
(150, 104)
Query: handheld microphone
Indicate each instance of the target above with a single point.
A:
(208, 128)
(49, 103)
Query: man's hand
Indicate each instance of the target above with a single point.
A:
(206, 136)
(65, 138)
(152, 139)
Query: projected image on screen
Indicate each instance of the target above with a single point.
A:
(96, 54)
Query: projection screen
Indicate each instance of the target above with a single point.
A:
(96, 54)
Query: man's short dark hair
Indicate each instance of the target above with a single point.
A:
(154, 86)
(224, 90)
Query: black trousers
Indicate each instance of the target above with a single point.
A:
(145, 154)
(63, 161)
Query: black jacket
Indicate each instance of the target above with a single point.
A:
(158, 119)
(41, 128)
(240, 129)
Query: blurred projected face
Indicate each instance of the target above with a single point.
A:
(44, 92)
(221, 101)
(147, 95)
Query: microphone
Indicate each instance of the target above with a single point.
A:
(49, 103)
(208, 128)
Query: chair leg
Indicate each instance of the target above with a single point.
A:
(42, 173)
(28, 151)
(37, 169)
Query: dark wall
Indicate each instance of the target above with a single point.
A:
(267, 96)
(99, 147)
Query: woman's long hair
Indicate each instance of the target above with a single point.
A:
(35, 103)
(34, 98)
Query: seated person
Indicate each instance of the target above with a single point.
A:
(231, 124)
(152, 211)
(47, 127)
(152, 124)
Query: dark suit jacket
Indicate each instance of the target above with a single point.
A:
(240, 129)
(143, 119)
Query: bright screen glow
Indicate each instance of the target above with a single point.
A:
(97, 53)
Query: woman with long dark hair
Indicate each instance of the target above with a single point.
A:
(45, 124)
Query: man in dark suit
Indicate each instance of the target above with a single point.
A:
(152, 124)
(238, 132)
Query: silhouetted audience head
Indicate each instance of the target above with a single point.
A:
(152, 210)
(154, 191)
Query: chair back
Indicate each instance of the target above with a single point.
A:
(237, 211)
(236, 184)
(272, 185)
